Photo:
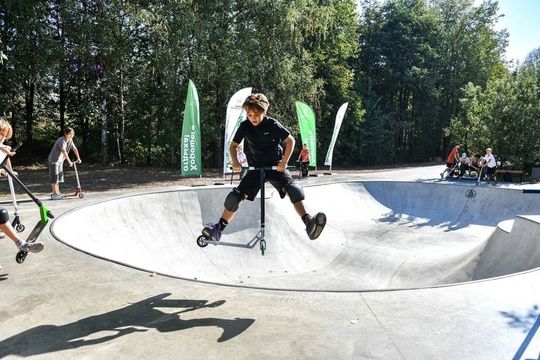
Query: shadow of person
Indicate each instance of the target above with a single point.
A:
(136, 317)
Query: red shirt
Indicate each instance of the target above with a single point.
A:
(452, 156)
(304, 155)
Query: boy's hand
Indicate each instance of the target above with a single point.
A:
(281, 167)
(236, 166)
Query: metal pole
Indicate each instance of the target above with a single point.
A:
(262, 201)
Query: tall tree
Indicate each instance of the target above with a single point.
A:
(471, 51)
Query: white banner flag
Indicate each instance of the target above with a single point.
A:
(235, 115)
(337, 126)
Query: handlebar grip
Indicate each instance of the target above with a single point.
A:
(17, 146)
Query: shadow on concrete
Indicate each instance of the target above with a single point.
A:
(138, 317)
(523, 322)
(529, 324)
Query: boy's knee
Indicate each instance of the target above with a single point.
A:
(4, 216)
(233, 200)
(295, 191)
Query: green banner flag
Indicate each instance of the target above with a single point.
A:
(191, 134)
(306, 120)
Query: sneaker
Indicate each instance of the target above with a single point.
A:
(315, 225)
(2, 235)
(33, 247)
(57, 197)
(212, 232)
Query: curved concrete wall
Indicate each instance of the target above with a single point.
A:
(380, 235)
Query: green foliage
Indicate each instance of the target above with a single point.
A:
(505, 116)
(417, 74)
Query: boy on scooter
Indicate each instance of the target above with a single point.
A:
(264, 136)
(6, 131)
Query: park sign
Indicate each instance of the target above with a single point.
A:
(235, 115)
(190, 159)
(337, 126)
(306, 120)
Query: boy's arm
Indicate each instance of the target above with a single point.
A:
(232, 152)
(66, 155)
(77, 154)
(289, 146)
(7, 150)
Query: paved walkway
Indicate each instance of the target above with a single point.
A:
(409, 267)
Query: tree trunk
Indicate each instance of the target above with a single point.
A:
(104, 143)
(29, 111)
(121, 124)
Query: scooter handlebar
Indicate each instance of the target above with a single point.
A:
(289, 167)
(16, 147)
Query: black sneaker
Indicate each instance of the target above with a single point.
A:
(212, 232)
(315, 225)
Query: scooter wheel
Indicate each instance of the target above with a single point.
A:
(200, 241)
(20, 227)
(21, 256)
(81, 195)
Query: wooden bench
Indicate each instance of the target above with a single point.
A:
(502, 171)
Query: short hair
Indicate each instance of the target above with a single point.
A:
(68, 130)
(256, 101)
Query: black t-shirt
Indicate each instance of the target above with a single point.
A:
(264, 141)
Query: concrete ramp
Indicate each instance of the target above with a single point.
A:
(511, 250)
(380, 235)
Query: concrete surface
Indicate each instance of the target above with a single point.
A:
(409, 267)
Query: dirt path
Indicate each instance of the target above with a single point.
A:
(94, 178)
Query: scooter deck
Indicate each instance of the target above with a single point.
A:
(224, 243)
(21, 255)
(203, 240)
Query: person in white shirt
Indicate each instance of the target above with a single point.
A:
(490, 164)
(242, 159)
